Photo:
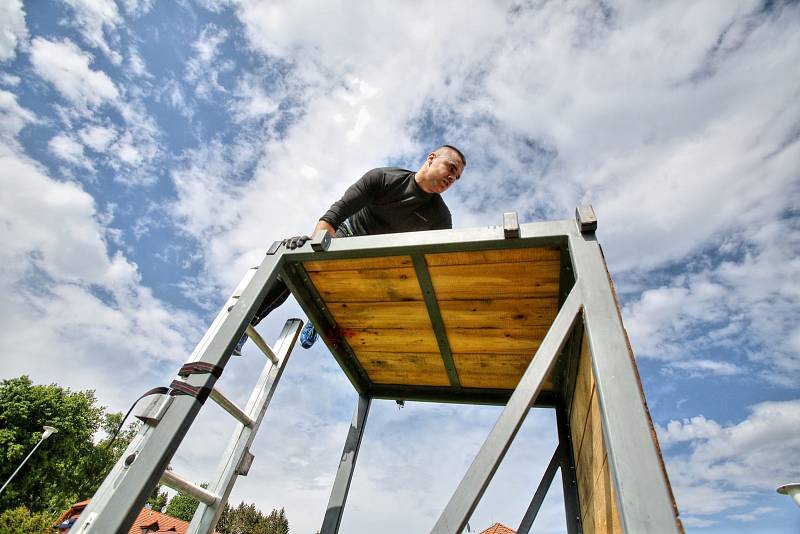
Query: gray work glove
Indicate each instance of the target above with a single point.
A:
(296, 241)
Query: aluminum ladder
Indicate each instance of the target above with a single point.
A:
(168, 416)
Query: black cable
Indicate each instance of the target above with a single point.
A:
(154, 391)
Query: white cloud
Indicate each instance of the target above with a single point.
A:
(96, 18)
(744, 307)
(58, 271)
(137, 8)
(203, 68)
(252, 101)
(98, 138)
(66, 66)
(727, 465)
(13, 117)
(707, 367)
(69, 150)
(13, 30)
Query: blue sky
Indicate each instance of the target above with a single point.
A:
(150, 153)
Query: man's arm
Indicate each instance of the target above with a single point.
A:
(325, 225)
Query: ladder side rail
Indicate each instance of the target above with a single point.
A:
(125, 490)
(644, 497)
(206, 516)
(347, 464)
(469, 491)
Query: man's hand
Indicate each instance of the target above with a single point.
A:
(296, 241)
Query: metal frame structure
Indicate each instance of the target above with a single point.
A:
(588, 307)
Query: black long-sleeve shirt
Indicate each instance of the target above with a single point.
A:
(388, 200)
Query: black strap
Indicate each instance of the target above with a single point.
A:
(201, 393)
(200, 368)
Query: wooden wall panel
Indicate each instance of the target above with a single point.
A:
(596, 497)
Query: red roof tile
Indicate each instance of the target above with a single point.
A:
(498, 528)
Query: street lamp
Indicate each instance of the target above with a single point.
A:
(792, 490)
(48, 431)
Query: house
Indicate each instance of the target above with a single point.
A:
(498, 528)
(148, 521)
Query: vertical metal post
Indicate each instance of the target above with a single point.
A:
(572, 511)
(541, 492)
(640, 481)
(121, 496)
(341, 485)
(469, 491)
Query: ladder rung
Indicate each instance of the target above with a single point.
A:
(261, 344)
(177, 482)
(230, 407)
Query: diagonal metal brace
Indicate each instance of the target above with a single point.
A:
(470, 490)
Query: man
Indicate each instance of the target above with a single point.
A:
(384, 201)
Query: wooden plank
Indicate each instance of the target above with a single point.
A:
(498, 371)
(593, 453)
(498, 313)
(581, 397)
(603, 515)
(408, 315)
(391, 340)
(368, 285)
(494, 256)
(384, 262)
(499, 280)
(495, 340)
(404, 368)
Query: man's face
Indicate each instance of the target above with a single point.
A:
(442, 172)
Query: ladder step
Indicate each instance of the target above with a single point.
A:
(177, 482)
(230, 407)
(261, 344)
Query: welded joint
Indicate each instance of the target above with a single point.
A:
(510, 224)
(587, 221)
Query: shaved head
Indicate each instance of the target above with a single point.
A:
(453, 150)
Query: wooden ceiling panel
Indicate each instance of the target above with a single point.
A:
(367, 285)
(408, 315)
(497, 371)
(404, 368)
(496, 280)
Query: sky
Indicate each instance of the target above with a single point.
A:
(150, 152)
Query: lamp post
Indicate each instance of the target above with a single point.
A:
(48, 431)
(792, 490)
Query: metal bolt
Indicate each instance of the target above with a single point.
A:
(129, 460)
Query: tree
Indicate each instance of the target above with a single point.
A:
(183, 505)
(158, 499)
(247, 519)
(20, 520)
(68, 466)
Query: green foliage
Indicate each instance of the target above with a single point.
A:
(20, 520)
(247, 519)
(68, 466)
(183, 506)
(158, 499)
